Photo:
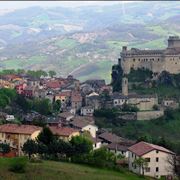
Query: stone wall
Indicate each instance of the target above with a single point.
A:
(148, 115)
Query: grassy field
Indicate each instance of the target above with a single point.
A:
(116, 44)
(50, 170)
(23, 63)
(100, 69)
(66, 43)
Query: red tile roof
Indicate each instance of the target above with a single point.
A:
(19, 129)
(142, 148)
(65, 93)
(53, 84)
(62, 131)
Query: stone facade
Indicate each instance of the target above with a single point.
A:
(148, 115)
(155, 60)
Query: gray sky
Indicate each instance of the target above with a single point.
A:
(24, 4)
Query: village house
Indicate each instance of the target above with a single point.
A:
(87, 111)
(170, 103)
(64, 97)
(20, 88)
(65, 116)
(53, 84)
(84, 125)
(108, 138)
(33, 82)
(64, 133)
(93, 100)
(142, 102)
(96, 84)
(157, 159)
(121, 148)
(29, 91)
(96, 143)
(76, 101)
(16, 135)
(6, 84)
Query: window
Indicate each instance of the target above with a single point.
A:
(157, 169)
(147, 159)
(157, 159)
(157, 151)
(148, 169)
(132, 154)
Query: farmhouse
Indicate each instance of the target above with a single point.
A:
(157, 159)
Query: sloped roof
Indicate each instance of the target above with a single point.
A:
(19, 129)
(53, 84)
(110, 137)
(82, 121)
(65, 114)
(121, 146)
(142, 148)
(62, 131)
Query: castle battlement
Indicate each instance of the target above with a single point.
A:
(155, 60)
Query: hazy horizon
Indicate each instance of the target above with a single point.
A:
(71, 4)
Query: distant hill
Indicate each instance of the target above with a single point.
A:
(83, 41)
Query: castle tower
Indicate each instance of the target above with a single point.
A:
(77, 86)
(173, 42)
(125, 86)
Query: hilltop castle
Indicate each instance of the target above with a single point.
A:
(155, 60)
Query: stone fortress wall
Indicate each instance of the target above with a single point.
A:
(155, 60)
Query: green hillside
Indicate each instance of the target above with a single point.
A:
(50, 170)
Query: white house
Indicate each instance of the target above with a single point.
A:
(87, 111)
(157, 159)
(10, 118)
(84, 125)
(121, 148)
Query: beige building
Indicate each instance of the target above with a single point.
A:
(157, 159)
(16, 135)
(84, 123)
(142, 102)
(64, 133)
(155, 60)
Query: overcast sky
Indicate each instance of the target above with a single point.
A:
(23, 4)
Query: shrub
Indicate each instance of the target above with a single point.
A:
(18, 165)
(35, 160)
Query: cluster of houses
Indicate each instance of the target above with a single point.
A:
(84, 98)
(78, 103)
(157, 157)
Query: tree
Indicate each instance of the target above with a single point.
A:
(129, 108)
(4, 148)
(103, 157)
(42, 106)
(117, 74)
(141, 163)
(30, 147)
(81, 145)
(42, 149)
(45, 136)
(57, 106)
(174, 164)
(52, 73)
